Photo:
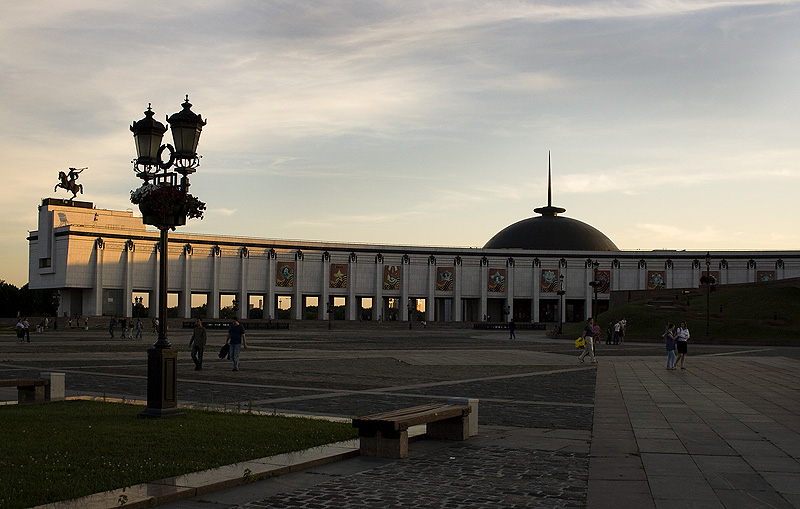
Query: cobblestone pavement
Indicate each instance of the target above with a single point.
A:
(465, 475)
(532, 383)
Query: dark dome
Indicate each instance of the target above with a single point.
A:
(551, 233)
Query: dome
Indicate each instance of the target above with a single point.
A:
(550, 232)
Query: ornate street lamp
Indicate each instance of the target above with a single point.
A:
(595, 284)
(165, 203)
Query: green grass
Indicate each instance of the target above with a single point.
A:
(756, 313)
(59, 451)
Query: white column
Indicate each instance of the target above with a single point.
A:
(405, 277)
(352, 271)
(213, 299)
(483, 288)
(535, 290)
(269, 298)
(297, 294)
(244, 265)
(186, 311)
(510, 269)
(127, 291)
(430, 306)
(458, 314)
(377, 303)
(98, 277)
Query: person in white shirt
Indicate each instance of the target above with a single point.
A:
(682, 344)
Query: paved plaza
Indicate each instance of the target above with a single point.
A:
(554, 432)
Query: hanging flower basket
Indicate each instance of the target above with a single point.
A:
(166, 206)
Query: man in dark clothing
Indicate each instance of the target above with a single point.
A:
(237, 340)
(198, 344)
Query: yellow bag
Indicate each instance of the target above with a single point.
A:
(580, 342)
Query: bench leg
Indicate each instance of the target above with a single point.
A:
(385, 444)
(30, 394)
(456, 428)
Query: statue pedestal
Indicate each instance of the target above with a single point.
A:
(162, 383)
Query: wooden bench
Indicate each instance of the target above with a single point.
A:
(29, 390)
(48, 387)
(385, 435)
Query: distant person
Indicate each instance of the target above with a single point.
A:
(198, 344)
(111, 325)
(123, 323)
(139, 328)
(512, 327)
(682, 344)
(596, 335)
(26, 326)
(86, 323)
(155, 325)
(588, 348)
(623, 330)
(237, 340)
(669, 337)
(20, 331)
(609, 332)
(616, 333)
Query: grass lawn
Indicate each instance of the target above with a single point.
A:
(63, 450)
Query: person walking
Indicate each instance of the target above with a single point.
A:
(669, 337)
(198, 344)
(588, 348)
(512, 326)
(237, 340)
(616, 333)
(111, 325)
(123, 323)
(26, 326)
(682, 344)
(139, 328)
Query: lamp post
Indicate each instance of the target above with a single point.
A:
(595, 284)
(708, 294)
(165, 204)
(561, 293)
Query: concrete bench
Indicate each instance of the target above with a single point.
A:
(385, 435)
(49, 387)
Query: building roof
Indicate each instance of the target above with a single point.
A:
(551, 232)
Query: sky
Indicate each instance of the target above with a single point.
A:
(670, 124)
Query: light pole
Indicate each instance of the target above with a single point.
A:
(561, 293)
(708, 293)
(165, 203)
(594, 284)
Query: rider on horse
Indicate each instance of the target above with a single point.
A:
(68, 182)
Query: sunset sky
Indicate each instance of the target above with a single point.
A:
(671, 124)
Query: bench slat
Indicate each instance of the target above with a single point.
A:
(402, 419)
(19, 382)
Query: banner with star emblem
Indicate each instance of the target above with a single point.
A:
(656, 279)
(338, 275)
(549, 281)
(497, 280)
(391, 277)
(285, 275)
(444, 279)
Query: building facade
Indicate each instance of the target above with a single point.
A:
(105, 262)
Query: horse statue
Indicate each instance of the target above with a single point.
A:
(67, 182)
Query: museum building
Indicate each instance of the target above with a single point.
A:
(105, 262)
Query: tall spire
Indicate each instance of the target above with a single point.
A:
(549, 210)
(549, 187)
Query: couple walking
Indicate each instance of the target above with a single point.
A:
(236, 340)
(676, 338)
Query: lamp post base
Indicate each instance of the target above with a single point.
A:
(162, 381)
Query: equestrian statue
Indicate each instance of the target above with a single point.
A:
(68, 182)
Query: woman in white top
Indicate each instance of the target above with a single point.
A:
(682, 343)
